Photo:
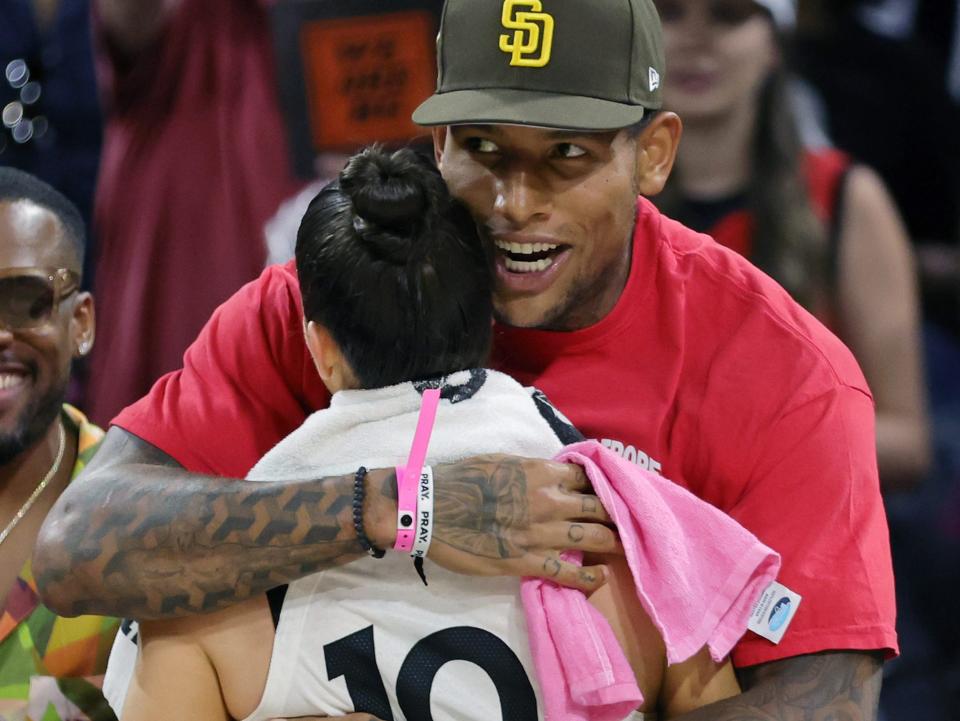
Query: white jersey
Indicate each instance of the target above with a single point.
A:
(370, 635)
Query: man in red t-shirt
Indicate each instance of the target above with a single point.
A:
(666, 347)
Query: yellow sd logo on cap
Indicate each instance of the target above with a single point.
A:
(532, 39)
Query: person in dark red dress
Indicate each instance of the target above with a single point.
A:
(195, 161)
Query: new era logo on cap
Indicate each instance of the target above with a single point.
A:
(654, 79)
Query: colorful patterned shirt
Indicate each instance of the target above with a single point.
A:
(51, 667)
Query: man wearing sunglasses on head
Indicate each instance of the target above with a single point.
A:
(50, 666)
(673, 351)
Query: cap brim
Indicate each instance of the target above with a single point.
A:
(526, 107)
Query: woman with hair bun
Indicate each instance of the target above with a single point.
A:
(393, 274)
(396, 288)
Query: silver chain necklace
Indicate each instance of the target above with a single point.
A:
(25, 508)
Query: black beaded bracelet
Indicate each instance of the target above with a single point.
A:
(358, 493)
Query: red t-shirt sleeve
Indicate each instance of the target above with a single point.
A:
(814, 497)
(246, 383)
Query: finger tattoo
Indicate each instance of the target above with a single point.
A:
(551, 567)
(576, 532)
(589, 504)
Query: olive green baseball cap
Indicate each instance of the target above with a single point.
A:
(570, 64)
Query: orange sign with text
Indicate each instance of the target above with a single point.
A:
(366, 75)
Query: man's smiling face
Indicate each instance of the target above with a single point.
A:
(34, 362)
(559, 207)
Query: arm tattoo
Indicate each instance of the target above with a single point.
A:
(137, 536)
(145, 540)
(830, 686)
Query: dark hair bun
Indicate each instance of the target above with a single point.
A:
(391, 193)
(396, 270)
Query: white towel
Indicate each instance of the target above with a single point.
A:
(375, 428)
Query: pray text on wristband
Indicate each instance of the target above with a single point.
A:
(408, 477)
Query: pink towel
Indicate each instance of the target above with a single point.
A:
(697, 573)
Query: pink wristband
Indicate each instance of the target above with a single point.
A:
(408, 477)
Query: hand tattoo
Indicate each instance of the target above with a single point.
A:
(551, 566)
(480, 505)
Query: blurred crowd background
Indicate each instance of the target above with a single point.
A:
(192, 133)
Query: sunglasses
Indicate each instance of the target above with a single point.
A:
(29, 297)
(719, 12)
